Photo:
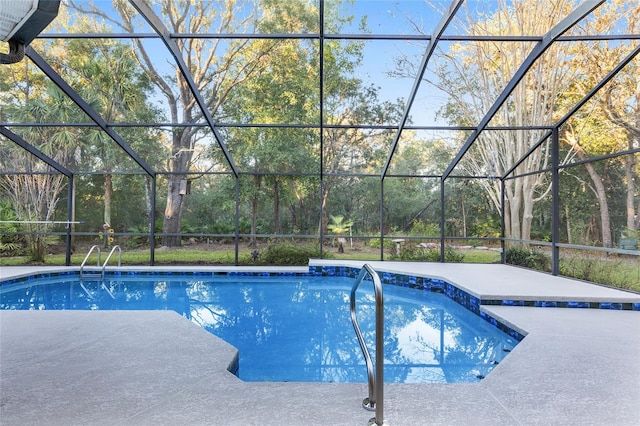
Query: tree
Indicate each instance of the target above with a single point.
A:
(474, 73)
(115, 87)
(105, 74)
(35, 187)
(611, 122)
(216, 67)
(620, 102)
(286, 90)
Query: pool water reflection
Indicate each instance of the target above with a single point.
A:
(296, 328)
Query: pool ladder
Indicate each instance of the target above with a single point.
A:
(375, 378)
(98, 273)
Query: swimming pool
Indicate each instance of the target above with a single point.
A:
(295, 328)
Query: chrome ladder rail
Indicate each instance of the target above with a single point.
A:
(94, 247)
(375, 378)
(104, 266)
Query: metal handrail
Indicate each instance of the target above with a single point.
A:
(94, 247)
(104, 266)
(375, 379)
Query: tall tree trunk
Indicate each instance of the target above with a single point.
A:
(600, 192)
(253, 242)
(324, 220)
(629, 167)
(108, 193)
(603, 204)
(514, 206)
(464, 219)
(276, 206)
(633, 215)
(148, 201)
(527, 207)
(567, 216)
(173, 212)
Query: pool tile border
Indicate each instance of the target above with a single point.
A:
(435, 285)
(468, 301)
(75, 273)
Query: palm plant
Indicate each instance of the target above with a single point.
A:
(340, 226)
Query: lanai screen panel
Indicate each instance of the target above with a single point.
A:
(302, 100)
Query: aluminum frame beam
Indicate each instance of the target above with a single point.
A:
(580, 12)
(93, 114)
(433, 41)
(149, 15)
(18, 140)
(576, 107)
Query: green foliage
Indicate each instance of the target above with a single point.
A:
(533, 259)
(486, 226)
(135, 241)
(288, 254)
(10, 245)
(375, 243)
(339, 225)
(453, 256)
(409, 252)
(38, 246)
(613, 271)
(630, 233)
(420, 229)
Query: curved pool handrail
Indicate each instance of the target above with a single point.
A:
(375, 379)
(93, 247)
(116, 247)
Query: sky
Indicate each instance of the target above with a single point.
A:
(405, 17)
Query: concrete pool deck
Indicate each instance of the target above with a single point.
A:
(575, 366)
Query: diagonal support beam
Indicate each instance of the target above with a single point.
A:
(149, 15)
(18, 140)
(576, 107)
(437, 33)
(75, 97)
(580, 12)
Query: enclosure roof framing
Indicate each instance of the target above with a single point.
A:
(433, 41)
(580, 12)
(84, 105)
(159, 27)
(428, 45)
(575, 108)
(35, 151)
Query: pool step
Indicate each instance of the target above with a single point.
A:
(91, 274)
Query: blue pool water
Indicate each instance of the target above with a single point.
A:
(296, 328)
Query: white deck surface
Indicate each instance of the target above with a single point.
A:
(575, 366)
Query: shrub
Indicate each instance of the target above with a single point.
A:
(517, 256)
(420, 229)
(375, 243)
(288, 254)
(619, 273)
(135, 241)
(10, 244)
(428, 254)
(533, 259)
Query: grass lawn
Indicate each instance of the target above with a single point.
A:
(616, 272)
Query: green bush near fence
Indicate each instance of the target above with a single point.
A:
(533, 259)
(283, 254)
(409, 252)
